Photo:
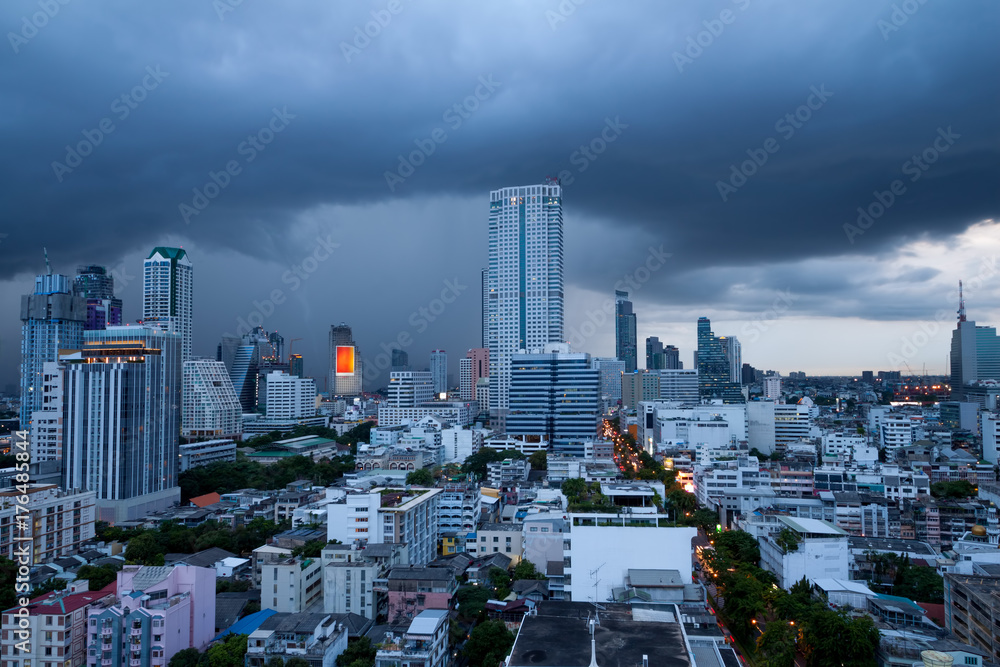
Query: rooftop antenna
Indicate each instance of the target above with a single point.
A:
(48, 267)
(597, 606)
(961, 303)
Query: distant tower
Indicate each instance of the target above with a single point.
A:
(95, 285)
(168, 294)
(625, 334)
(975, 352)
(439, 371)
(345, 362)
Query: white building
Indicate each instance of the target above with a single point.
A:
(168, 294)
(760, 426)
(679, 384)
(194, 454)
(317, 639)
(483, 392)
(439, 371)
(794, 421)
(611, 370)
(991, 437)
(291, 585)
(46, 424)
(525, 283)
(821, 552)
(424, 643)
(60, 521)
(705, 428)
(290, 397)
(461, 443)
(772, 387)
(211, 408)
(466, 383)
(600, 549)
(460, 414)
(388, 516)
(408, 389)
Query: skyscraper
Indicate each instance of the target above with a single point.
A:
(439, 371)
(211, 408)
(525, 300)
(734, 355)
(52, 319)
(672, 358)
(714, 368)
(296, 366)
(475, 365)
(625, 334)
(484, 285)
(653, 348)
(975, 353)
(168, 294)
(400, 360)
(95, 285)
(122, 420)
(345, 362)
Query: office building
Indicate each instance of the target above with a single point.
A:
(296, 366)
(52, 319)
(525, 300)
(625, 332)
(555, 394)
(122, 421)
(95, 285)
(439, 371)
(168, 294)
(156, 612)
(653, 348)
(211, 408)
(715, 365)
(678, 384)
(639, 386)
(474, 366)
(975, 353)
(345, 377)
(290, 397)
(484, 288)
(408, 389)
(734, 355)
(483, 394)
(400, 360)
(610, 371)
(242, 360)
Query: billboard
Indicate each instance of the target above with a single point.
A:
(345, 360)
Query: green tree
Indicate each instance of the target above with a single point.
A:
(957, 489)
(296, 661)
(573, 488)
(189, 657)
(787, 540)
(471, 601)
(359, 653)
(476, 464)
(703, 518)
(230, 652)
(777, 644)
(539, 460)
(526, 570)
(920, 584)
(681, 501)
(421, 477)
(489, 643)
(737, 546)
(745, 600)
(311, 549)
(98, 576)
(500, 581)
(144, 550)
(49, 585)
(275, 661)
(8, 580)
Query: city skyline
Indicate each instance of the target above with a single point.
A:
(769, 244)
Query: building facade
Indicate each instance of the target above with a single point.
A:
(94, 284)
(439, 371)
(290, 397)
(554, 394)
(211, 408)
(625, 332)
(345, 362)
(60, 522)
(715, 369)
(168, 294)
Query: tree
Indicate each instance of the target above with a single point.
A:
(8, 579)
(311, 549)
(573, 488)
(539, 460)
(526, 570)
(957, 489)
(98, 576)
(682, 501)
(275, 661)
(359, 653)
(703, 518)
(49, 585)
(188, 657)
(230, 652)
(477, 463)
(144, 550)
(777, 644)
(738, 546)
(500, 581)
(471, 601)
(489, 643)
(920, 584)
(787, 540)
(421, 477)
(296, 661)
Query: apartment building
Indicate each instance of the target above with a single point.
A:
(59, 521)
(291, 585)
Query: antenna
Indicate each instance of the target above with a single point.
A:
(597, 606)
(48, 267)
(961, 303)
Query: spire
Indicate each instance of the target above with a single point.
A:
(961, 303)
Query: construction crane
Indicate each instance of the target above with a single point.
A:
(291, 344)
(48, 267)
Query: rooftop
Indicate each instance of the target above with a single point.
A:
(812, 526)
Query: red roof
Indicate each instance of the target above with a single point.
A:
(55, 603)
(206, 500)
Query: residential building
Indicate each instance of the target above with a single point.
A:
(455, 412)
(168, 294)
(267, 554)
(291, 585)
(388, 516)
(211, 408)
(507, 474)
(772, 387)
(812, 548)
(972, 611)
(290, 397)
(46, 430)
(991, 437)
(483, 393)
(414, 588)
(157, 611)
(94, 284)
(625, 332)
(460, 443)
(345, 362)
(315, 638)
(241, 357)
(121, 419)
(354, 577)
(195, 454)
(715, 357)
(525, 284)
(52, 319)
(554, 394)
(503, 538)
(60, 521)
(473, 367)
(408, 389)
(458, 508)
(424, 644)
(439, 372)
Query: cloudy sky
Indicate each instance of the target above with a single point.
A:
(739, 138)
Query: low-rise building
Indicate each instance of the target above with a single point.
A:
(194, 454)
(291, 585)
(60, 521)
(809, 548)
(972, 611)
(354, 577)
(424, 644)
(316, 638)
(504, 538)
(413, 589)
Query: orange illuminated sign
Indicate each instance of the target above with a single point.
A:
(345, 360)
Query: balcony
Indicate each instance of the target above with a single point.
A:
(107, 631)
(135, 662)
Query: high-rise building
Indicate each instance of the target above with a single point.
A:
(975, 353)
(734, 355)
(408, 389)
(525, 300)
(714, 366)
(211, 408)
(52, 319)
(653, 348)
(122, 420)
(345, 362)
(555, 394)
(296, 366)
(290, 397)
(625, 334)
(610, 371)
(475, 365)
(660, 356)
(484, 285)
(400, 360)
(672, 358)
(168, 294)
(678, 384)
(439, 371)
(47, 424)
(95, 285)
(639, 386)
(772, 387)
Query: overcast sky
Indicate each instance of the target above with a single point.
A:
(739, 138)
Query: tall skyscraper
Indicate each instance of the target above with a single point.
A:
(241, 357)
(484, 285)
(168, 294)
(122, 420)
(439, 371)
(211, 408)
(610, 371)
(296, 366)
(52, 319)
(672, 358)
(975, 352)
(625, 334)
(734, 355)
(345, 362)
(661, 357)
(714, 368)
(95, 285)
(653, 348)
(525, 300)
(400, 360)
